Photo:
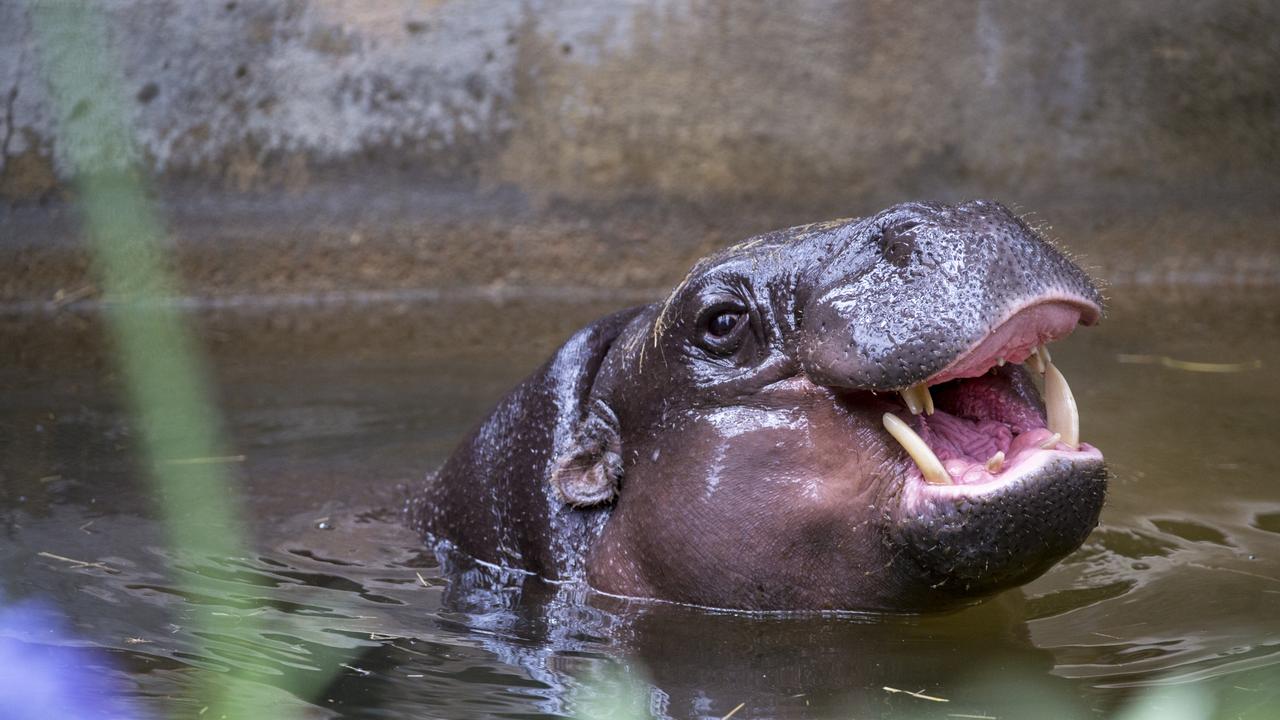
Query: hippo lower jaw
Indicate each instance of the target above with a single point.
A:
(970, 541)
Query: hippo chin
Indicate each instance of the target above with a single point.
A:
(838, 416)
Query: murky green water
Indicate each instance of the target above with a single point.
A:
(1174, 600)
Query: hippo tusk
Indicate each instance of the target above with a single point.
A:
(929, 464)
(1060, 406)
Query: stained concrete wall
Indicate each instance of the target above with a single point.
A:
(343, 151)
(809, 102)
(350, 175)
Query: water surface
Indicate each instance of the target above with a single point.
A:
(332, 413)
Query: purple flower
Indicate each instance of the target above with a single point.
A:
(43, 676)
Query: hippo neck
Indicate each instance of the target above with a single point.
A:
(492, 499)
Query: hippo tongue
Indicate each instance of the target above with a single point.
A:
(952, 437)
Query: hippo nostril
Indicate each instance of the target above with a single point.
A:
(898, 242)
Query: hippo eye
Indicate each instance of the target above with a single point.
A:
(721, 328)
(723, 323)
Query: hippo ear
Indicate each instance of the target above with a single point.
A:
(588, 472)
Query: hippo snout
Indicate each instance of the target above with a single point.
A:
(919, 284)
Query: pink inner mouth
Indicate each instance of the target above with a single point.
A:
(978, 417)
(964, 450)
(986, 404)
(975, 418)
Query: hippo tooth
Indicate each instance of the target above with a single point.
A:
(995, 463)
(919, 451)
(1051, 441)
(1000, 361)
(918, 399)
(1035, 362)
(1060, 406)
(912, 400)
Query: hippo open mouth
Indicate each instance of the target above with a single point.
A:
(981, 419)
(991, 458)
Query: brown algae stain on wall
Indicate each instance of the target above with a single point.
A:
(729, 100)
(877, 100)
(28, 176)
(682, 101)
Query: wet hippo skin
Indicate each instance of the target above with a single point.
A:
(844, 415)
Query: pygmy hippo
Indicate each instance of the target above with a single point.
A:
(838, 416)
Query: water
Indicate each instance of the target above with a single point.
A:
(1174, 600)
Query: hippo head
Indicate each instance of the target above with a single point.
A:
(838, 416)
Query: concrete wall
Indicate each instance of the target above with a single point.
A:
(347, 153)
(799, 104)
